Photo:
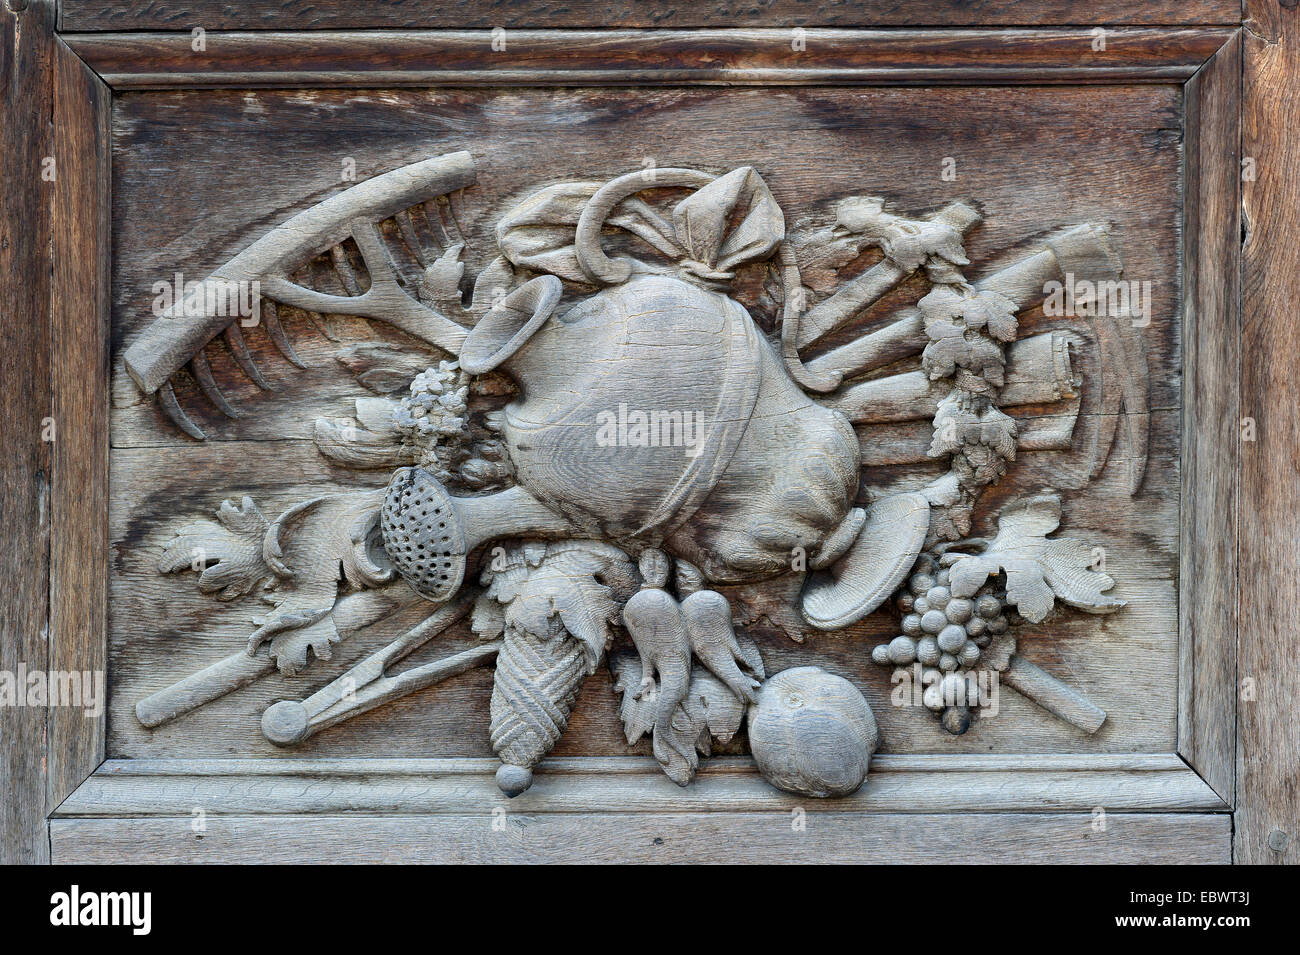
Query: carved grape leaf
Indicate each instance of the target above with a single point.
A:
(227, 554)
(946, 307)
(583, 583)
(975, 353)
(1039, 571)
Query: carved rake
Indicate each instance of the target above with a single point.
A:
(411, 202)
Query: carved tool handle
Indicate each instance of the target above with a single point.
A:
(352, 613)
(1053, 695)
(365, 686)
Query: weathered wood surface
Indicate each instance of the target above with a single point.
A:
(1211, 421)
(895, 784)
(829, 836)
(79, 564)
(27, 60)
(1009, 147)
(1268, 735)
(512, 14)
(634, 58)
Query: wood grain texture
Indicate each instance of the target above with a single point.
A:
(895, 784)
(633, 58)
(1269, 684)
(513, 14)
(1208, 549)
(26, 91)
(79, 491)
(829, 837)
(1103, 153)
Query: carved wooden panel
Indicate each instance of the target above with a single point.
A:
(892, 213)
(645, 433)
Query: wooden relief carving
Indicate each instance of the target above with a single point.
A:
(612, 462)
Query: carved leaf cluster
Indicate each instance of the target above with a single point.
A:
(579, 584)
(296, 562)
(1039, 570)
(968, 331)
(227, 554)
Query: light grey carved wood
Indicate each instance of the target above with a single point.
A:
(1048, 369)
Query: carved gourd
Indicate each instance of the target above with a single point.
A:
(655, 412)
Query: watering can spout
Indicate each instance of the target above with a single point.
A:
(509, 325)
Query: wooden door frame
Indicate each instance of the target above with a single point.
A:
(1178, 806)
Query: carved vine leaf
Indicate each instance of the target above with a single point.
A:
(909, 243)
(312, 547)
(227, 554)
(582, 583)
(1039, 571)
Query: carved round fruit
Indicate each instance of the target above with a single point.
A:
(988, 606)
(912, 625)
(902, 650)
(947, 663)
(812, 733)
(938, 597)
(959, 610)
(951, 638)
(880, 654)
(921, 584)
(927, 651)
(956, 720)
(933, 621)
(970, 654)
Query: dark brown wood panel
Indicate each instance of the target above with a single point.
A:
(26, 142)
(79, 492)
(517, 14)
(1269, 683)
(199, 174)
(629, 57)
(1211, 421)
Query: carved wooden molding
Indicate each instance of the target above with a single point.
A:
(635, 58)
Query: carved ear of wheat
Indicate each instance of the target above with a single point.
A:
(372, 242)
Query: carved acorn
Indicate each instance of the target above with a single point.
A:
(812, 733)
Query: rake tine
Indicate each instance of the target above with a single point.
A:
(167, 398)
(453, 224)
(239, 349)
(202, 372)
(407, 228)
(433, 216)
(344, 268)
(278, 337)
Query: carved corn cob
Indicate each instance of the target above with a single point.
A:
(538, 677)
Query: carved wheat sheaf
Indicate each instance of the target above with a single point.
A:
(625, 457)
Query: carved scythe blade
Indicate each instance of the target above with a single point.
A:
(174, 339)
